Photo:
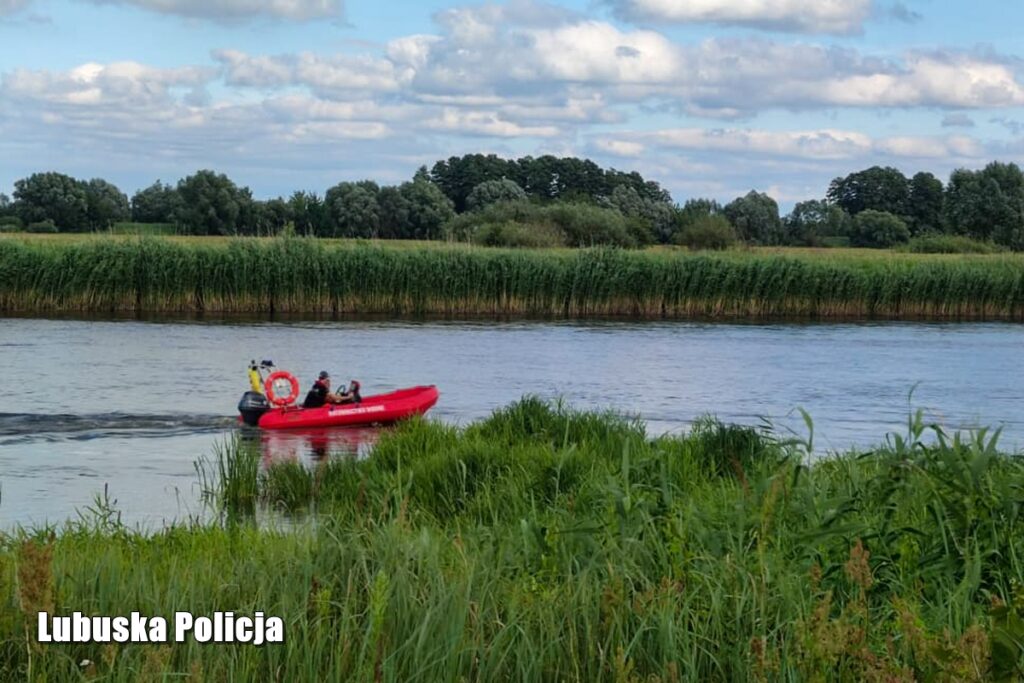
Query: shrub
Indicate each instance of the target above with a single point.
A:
(512, 234)
(879, 229)
(710, 231)
(13, 221)
(46, 226)
(494, 191)
(834, 241)
(950, 244)
(578, 224)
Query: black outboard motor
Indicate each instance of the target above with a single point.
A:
(252, 406)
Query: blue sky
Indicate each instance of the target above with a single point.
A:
(710, 97)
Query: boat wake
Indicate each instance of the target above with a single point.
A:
(18, 428)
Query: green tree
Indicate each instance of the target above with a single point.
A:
(707, 231)
(352, 209)
(881, 189)
(813, 220)
(457, 176)
(695, 209)
(428, 209)
(878, 229)
(924, 207)
(5, 204)
(493, 191)
(988, 204)
(756, 218)
(211, 204)
(53, 196)
(106, 204)
(394, 213)
(157, 203)
(659, 216)
(308, 213)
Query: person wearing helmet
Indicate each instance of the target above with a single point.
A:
(321, 393)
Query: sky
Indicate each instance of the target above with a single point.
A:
(712, 98)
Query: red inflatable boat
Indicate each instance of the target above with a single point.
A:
(379, 409)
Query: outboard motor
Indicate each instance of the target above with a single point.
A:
(252, 406)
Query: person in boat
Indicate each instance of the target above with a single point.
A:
(321, 393)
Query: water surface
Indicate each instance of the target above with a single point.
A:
(131, 405)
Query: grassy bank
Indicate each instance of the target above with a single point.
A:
(544, 544)
(303, 276)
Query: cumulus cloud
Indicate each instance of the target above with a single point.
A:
(340, 74)
(797, 16)
(812, 145)
(486, 50)
(234, 10)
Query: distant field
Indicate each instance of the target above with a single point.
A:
(125, 231)
(128, 228)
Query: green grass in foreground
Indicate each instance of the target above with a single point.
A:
(308, 276)
(546, 544)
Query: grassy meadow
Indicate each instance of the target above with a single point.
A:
(548, 544)
(104, 274)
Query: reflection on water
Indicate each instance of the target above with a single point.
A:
(313, 445)
(133, 405)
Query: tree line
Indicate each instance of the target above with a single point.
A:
(545, 201)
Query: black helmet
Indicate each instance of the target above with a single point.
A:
(324, 375)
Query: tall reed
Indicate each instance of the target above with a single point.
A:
(306, 276)
(548, 544)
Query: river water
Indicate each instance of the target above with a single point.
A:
(129, 406)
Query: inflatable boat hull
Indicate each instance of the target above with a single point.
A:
(373, 410)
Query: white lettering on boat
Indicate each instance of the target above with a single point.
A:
(356, 411)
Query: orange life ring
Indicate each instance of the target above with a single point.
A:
(275, 378)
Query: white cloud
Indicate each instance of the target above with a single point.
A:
(803, 16)
(810, 145)
(339, 74)
(488, 51)
(233, 10)
(485, 123)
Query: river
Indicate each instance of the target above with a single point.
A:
(130, 405)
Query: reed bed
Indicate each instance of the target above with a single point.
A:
(547, 544)
(308, 277)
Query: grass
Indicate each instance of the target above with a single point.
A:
(548, 544)
(129, 228)
(313, 277)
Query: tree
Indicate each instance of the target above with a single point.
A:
(5, 204)
(157, 203)
(308, 213)
(352, 209)
(658, 215)
(709, 231)
(924, 208)
(494, 191)
(106, 204)
(813, 220)
(756, 218)
(394, 213)
(53, 196)
(988, 204)
(457, 176)
(878, 229)
(212, 204)
(428, 209)
(877, 188)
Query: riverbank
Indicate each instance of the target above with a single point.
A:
(309, 277)
(546, 544)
